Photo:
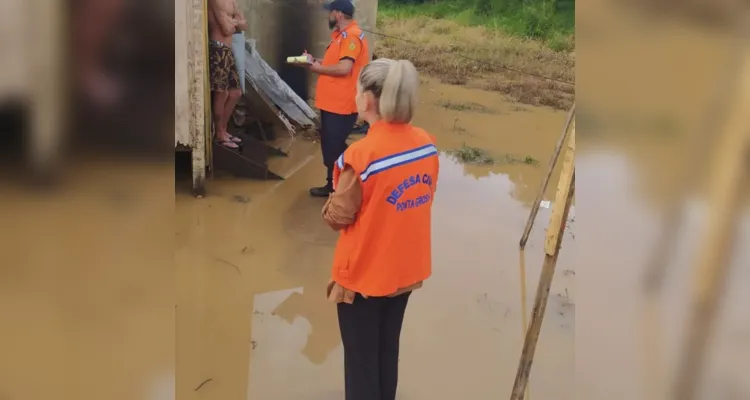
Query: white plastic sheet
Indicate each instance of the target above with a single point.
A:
(238, 49)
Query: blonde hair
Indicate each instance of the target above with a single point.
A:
(394, 83)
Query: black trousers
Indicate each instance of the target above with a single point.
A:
(334, 130)
(370, 330)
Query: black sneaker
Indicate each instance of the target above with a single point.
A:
(322, 191)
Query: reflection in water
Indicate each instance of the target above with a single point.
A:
(506, 134)
(162, 387)
(468, 312)
(522, 274)
(524, 300)
(307, 258)
(320, 314)
(653, 368)
(264, 330)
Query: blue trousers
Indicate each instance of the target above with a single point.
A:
(334, 130)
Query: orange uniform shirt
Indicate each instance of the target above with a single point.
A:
(388, 247)
(336, 93)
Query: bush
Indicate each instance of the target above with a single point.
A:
(484, 7)
(551, 21)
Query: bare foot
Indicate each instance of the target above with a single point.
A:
(225, 139)
(228, 136)
(229, 144)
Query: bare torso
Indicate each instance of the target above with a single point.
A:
(224, 19)
(214, 30)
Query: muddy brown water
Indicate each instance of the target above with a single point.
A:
(253, 315)
(251, 321)
(253, 318)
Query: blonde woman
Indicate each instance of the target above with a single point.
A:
(384, 188)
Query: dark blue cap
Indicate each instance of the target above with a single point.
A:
(345, 6)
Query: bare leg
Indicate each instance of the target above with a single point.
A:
(220, 127)
(232, 99)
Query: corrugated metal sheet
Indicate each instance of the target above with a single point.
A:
(275, 89)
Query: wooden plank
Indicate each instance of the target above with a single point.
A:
(263, 108)
(550, 168)
(551, 242)
(524, 318)
(237, 164)
(560, 209)
(182, 104)
(268, 83)
(728, 176)
(207, 114)
(555, 233)
(197, 45)
(656, 268)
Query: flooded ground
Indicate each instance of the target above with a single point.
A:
(255, 257)
(649, 87)
(251, 321)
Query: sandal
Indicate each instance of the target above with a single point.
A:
(228, 144)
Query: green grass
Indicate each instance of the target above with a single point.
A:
(488, 59)
(461, 106)
(549, 21)
(473, 155)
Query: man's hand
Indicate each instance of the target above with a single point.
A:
(310, 58)
(310, 61)
(240, 22)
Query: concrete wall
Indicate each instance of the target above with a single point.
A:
(366, 15)
(284, 28)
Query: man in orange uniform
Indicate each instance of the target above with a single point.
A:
(345, 56)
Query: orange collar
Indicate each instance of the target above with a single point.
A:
(381, 127)
(336, 32)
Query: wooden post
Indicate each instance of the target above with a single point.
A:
(657, 267)
(524, 317)
(555, 233)
(522, 274)
(197, 46)
(729, 172)
(208, 134)
(550, 167)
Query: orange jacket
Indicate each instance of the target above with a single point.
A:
(388, 247)
(336, 93)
